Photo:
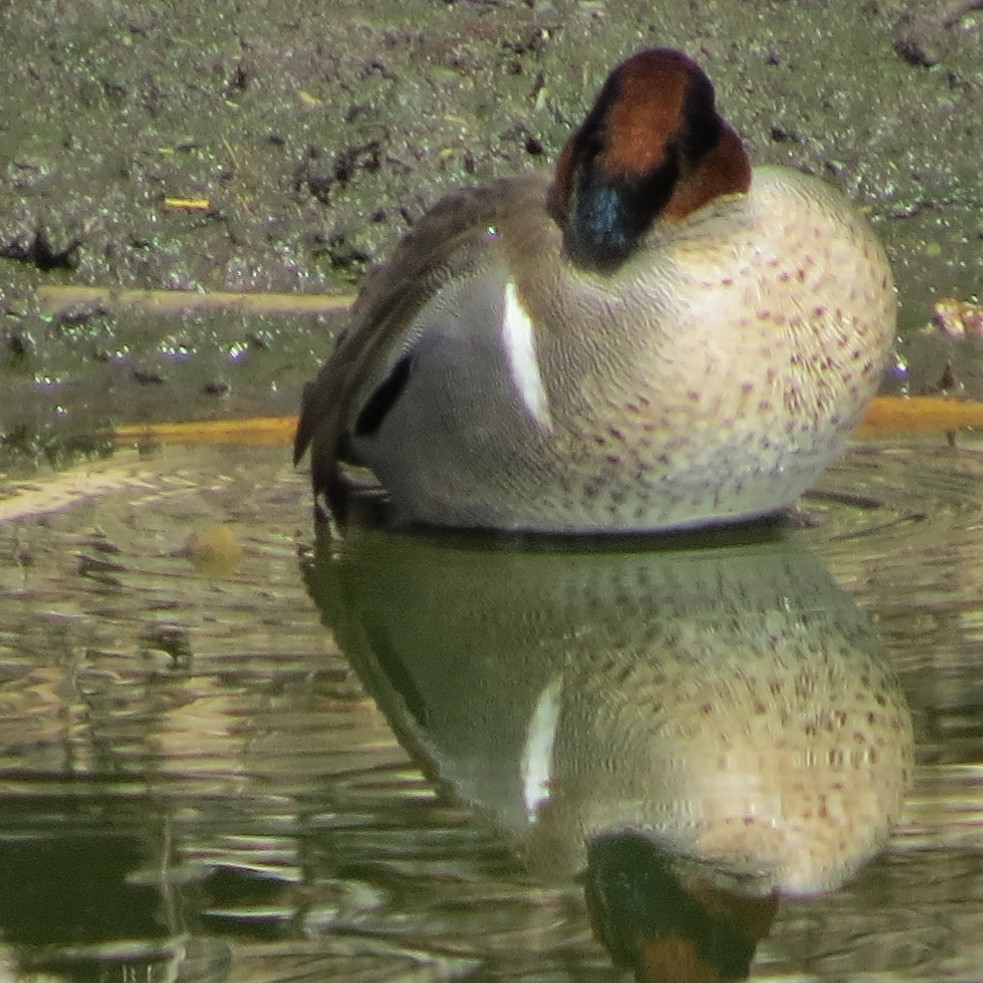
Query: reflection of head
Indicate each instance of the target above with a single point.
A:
(664, 930)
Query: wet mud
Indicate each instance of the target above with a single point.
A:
(284, 147)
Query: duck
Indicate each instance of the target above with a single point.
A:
(653, 337)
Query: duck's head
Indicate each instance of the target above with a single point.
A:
(652, 146)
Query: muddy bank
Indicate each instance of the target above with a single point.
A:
(284, 147)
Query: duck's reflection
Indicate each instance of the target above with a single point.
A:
(696, 731)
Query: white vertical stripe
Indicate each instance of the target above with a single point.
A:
(537, 753)
(520, 349)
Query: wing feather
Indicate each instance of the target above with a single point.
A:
(453, 240)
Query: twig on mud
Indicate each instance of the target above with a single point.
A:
(57, 299)
(918, 414)
(264, 431)
(887, 415)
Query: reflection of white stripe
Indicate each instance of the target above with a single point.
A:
(537, 754)
(520, 349)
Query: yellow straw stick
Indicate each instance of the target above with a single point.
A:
(918, 414)
(188, 204)
(260, 431)
(56, 300)
(887, 415)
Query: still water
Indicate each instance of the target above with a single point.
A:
(229, 752)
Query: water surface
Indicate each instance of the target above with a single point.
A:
(195, 783)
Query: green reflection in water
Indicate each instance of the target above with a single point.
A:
(724, 708)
